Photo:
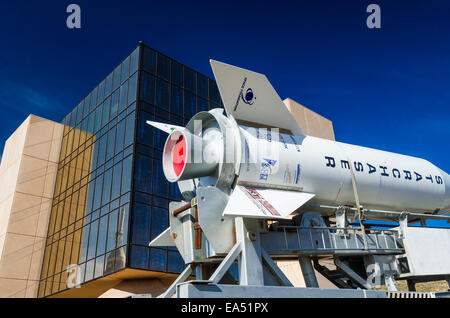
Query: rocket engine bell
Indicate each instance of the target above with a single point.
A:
(272, 171)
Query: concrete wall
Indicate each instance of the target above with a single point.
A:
(312, 123)
(27, 180)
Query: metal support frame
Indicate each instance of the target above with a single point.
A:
(308, 271)
(180, 279)
(352, 274)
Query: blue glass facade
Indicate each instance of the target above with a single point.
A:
(111, 197)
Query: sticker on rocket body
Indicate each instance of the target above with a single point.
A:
(260, 202)
(297, 147)
(297, 174)
(267, 168)
(283, 141)
(287, 175)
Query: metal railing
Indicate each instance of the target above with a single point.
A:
(335, 239)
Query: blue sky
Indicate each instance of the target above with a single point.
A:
(384, 88)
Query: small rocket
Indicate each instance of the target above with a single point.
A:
(258, 156)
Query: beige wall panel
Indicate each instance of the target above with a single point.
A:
(12, 287)
(312, 123)
(24, 214)
(39, 138)
(16, 258)
(27, 181)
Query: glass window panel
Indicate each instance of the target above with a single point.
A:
(163, 67)
(202, 85)
(145, 132)
(106, 195)
(202, 104)
(214, 92)
(143, 173)
(162, 94)
(89, 275)
(158, 259)
(101, 92)
(117, 179)
(134, 62)
(56, 280)
(79, 110)
(81, 272)
(112, 231)
(93, 102)
(108, 84)
(99, 264)
(125, 69)
(177, 73)
(189, 79)
(175, 263)
(141, 224)
(102, 150)
(132, 90)
(139, 257)
(120, 136)
(102, 234)
(93, 240)
(129, 132)
(85, 245)
(91, 122)
(98, 119)
(90, 197)
(160, 139)
(76, 247)
(67, 251)
(159, 180)
(111, 143)
(147, 89)
(123, 225)
(189, 104)
(106, 109)
(123, 96)
(149, 60)
(72, 118)
(98, 192)
(126, 174)
(116, 78)
(159, 221)
(174, 191)
(114, 104)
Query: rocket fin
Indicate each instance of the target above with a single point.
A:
(163, 239)
(250, 97)
(164, 127)
(264, 203)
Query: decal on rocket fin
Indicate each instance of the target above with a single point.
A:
(164, 127)
(261, 203)
(163, 239)
(250, 97)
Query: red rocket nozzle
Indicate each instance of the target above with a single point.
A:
(179, 156)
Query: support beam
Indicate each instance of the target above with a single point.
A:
(226, 263)
(274, 269)
(250, 262)
(352, 274)
(181, 278)
(308, 271)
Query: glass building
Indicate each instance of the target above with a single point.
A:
(111, 197)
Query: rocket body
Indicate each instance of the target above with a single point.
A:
(266, 173)
(384, 180)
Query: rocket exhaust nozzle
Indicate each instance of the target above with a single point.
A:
(188, 156)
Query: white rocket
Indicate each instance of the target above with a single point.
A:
(259, 156)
